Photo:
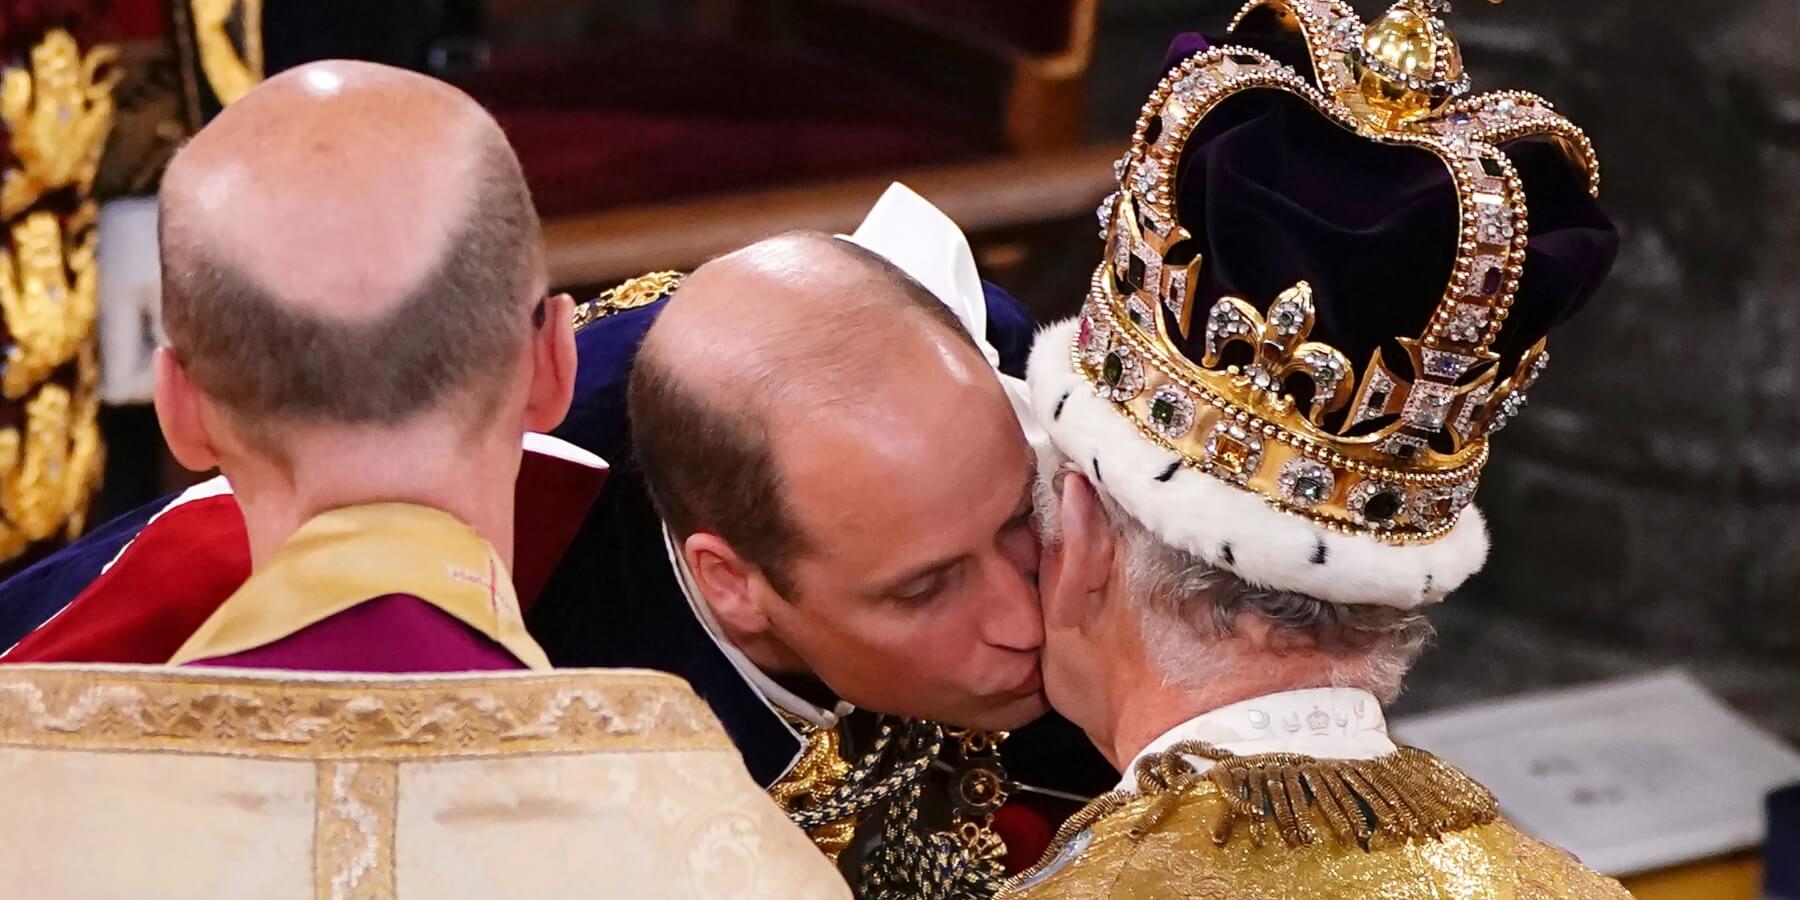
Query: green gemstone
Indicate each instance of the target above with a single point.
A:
(1113, 369)
(1162, 412)
(1382, 507)
(1491, 166)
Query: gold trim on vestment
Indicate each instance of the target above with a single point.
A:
(234, 713)
(354, 832)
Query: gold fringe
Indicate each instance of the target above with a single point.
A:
(1408, 795)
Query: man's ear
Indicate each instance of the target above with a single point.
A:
(1084, 561)
(553, 362)
(178, 410)
(731, 585)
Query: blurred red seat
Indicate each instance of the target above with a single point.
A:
(655, 121)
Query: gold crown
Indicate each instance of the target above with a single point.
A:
(1403, 462)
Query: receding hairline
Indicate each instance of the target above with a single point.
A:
(186, 247)
(832, 278)
(802, 362)
(364, 345)
(391, 193)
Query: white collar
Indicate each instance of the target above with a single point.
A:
(1328, 723)
(771, 693)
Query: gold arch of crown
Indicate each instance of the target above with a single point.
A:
(1239, 423)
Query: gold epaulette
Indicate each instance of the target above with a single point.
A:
(1408, 795)
(630, 294)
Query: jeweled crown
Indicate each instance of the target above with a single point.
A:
(1396, 451)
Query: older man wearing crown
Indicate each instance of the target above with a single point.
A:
(1329, 281)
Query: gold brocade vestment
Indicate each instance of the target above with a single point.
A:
(1281, 826)
(160, 783)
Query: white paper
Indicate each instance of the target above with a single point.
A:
(1630, 775)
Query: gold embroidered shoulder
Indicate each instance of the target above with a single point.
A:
(1282, 826)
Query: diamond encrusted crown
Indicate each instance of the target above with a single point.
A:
(1402, 455)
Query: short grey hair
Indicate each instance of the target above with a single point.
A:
(1188, 607)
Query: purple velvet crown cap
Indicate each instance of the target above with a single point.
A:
(1274, 193)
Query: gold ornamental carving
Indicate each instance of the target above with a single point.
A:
(57, 113)
(230, 73)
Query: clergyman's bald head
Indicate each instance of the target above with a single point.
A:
(757, 339)
(347, 243)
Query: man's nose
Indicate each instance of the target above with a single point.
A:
(1011, 617)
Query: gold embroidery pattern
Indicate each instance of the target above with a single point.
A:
(353, 838)
(352, 718)
(57, 114)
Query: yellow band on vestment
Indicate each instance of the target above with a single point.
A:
(349, 556)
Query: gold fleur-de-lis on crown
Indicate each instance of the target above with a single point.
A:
(1281, 350)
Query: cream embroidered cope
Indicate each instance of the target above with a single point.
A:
(294, 786)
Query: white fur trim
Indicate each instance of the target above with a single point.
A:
(1203, 515)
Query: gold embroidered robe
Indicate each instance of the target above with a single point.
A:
(1280, 827)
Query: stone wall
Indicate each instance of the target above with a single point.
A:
(1646, 508)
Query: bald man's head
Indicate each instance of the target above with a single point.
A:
(348, 243)
(752, 343)
(847, 482)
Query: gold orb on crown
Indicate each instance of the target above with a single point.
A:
(1409, 66)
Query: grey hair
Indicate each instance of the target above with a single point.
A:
(1189, 609)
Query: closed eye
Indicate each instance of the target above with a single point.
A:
(921, 590)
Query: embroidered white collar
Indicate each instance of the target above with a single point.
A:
(1328, 723)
